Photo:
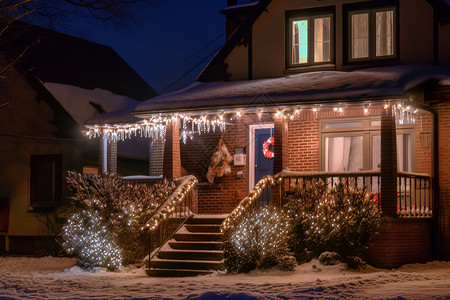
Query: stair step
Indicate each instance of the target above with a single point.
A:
(207, 219)
(158, 263)
(205, 228)
(215, 255)
(198, 236)
(193, 245)
(176, 272)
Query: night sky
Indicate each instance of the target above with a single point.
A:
(166, 43)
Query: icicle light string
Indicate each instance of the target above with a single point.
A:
(155, 127)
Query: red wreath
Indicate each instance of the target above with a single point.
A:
(265, 148)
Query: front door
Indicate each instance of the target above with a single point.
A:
(263, 165)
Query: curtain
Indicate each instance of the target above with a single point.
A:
(384, 33)
(360, 35)
(322, 39)
(344, 153)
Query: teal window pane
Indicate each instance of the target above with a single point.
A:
(300, 42)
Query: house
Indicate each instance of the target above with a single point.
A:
(48, 92)
(329, 89)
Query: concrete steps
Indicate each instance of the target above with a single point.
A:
(196, 249)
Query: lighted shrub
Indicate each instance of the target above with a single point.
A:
(116, 206)
(342, 220)
(259, 241)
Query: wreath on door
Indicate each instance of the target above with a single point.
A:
(265, 148)
(220, 162)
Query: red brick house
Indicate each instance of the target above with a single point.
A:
(351, 88)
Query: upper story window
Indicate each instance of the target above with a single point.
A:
(372, 34)
(309, 38)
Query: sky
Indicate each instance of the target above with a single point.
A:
(169, 40)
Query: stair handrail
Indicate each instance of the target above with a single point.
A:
(165, 209)
(247, 202)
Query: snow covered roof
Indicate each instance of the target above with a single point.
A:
(304, 88)
(83, 104)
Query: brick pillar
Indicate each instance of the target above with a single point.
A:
(388, 164)
(108, 149)
(172, 161)
(157, 157)
(281, 144)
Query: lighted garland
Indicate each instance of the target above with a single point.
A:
(247, 202)
(172, 202)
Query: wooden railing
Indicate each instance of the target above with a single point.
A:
(414, 195)
(171, 215)
(413, 189)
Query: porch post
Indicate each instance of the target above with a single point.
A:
(281, 144)
(388, 163)
(172, 159)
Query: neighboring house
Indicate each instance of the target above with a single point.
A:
(48, 94)
(356, 89)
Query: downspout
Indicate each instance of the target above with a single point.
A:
(436, 235)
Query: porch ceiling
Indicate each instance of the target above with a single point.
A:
(305, 88)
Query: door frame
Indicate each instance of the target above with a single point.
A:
(251, 150)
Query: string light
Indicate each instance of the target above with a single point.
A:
(172, 202)
(196, 124)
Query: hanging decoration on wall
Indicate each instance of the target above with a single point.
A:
(265, 148)
(220, 162)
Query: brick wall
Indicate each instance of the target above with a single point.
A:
(156, 159)
(443, 193)
(401, 241)
(303, 141)
(226, 192)
(171, 155)
(112, 157)
(423, 155)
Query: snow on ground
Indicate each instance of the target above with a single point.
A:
(58, 278)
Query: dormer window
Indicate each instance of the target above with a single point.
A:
(372, 34)
(309, 38)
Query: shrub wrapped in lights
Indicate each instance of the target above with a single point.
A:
(115, 206)
(343, 219)
(259, 241)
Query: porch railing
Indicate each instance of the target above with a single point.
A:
(171, 215)
(414, 193)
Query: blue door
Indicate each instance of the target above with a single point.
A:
(263, 165)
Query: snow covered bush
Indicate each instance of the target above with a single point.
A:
(117, 206)
(259, 241)
(342, 219)
(329, 258)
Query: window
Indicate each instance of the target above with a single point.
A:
(372, 34)
(354, 144)
(309, 39)
(45, 180)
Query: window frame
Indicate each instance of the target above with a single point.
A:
(310, 15)
(36, 195)
(371, 9)
(367, 131)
